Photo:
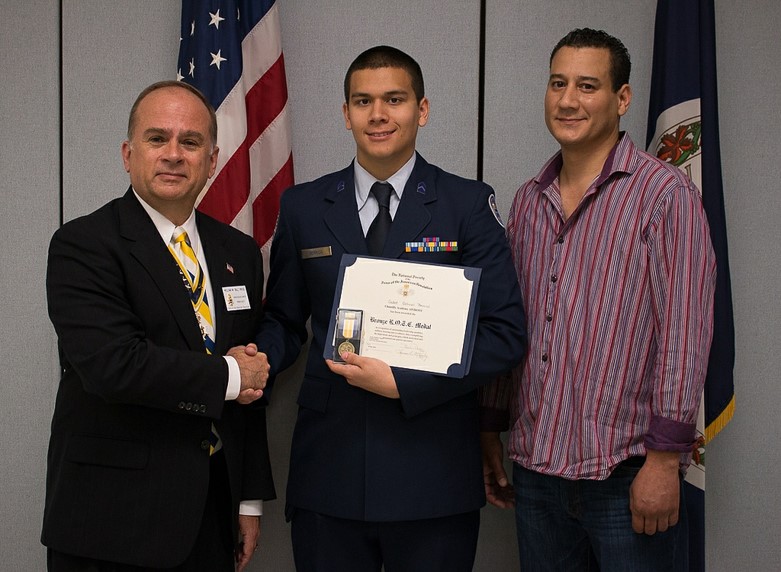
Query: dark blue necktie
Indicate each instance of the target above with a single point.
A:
(378, 231)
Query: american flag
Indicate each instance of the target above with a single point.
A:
(231, 50)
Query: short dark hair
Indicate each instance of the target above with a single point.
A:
(386, 57)
(131, 122)
(620, 65)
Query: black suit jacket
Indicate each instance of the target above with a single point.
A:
(355, 454)
(128, 462)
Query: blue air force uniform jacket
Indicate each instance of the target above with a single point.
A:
(357, 455)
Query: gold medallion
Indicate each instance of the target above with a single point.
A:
(346, 347)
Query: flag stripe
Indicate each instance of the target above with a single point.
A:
(262, 47)
(270, 158)
(274, 146)
(232, 51)
(266, 205)
(230, 188)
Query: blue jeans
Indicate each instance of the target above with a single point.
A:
(587, 525)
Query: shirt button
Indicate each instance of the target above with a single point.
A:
(560, 240)
(544, 357)
(554, 278)
(205, 444)
(548, 318)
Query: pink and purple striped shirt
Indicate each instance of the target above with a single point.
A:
(619, 303)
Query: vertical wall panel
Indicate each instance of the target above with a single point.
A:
(111, 51)
(744, 461)
(320, 40)
(520, 37)
(29, 191)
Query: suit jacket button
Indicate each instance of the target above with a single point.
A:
(189, 406)
(205, 444)
(203, 409)
(181, 405)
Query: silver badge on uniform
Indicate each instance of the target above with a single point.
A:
(494, 209)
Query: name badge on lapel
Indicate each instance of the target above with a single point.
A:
(236, 298)
(320, 252)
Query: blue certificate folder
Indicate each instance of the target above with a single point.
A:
(457, 370)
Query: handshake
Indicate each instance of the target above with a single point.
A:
(254, 368)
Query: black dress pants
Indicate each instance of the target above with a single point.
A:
(213, 550)
(323, 543)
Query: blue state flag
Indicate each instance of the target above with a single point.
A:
(683, 129)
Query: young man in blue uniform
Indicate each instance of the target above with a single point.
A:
(385, 464)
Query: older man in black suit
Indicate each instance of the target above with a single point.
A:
(156, 437)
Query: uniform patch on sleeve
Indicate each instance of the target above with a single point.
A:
(495, 209)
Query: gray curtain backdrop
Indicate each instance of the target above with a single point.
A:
(112, 49)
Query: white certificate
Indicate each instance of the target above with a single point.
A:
(415, 315)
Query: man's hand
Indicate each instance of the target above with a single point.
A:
(251, 350)
(654, 496)
(498, 490)
(367, 373)
(249, 536)
(254, 368)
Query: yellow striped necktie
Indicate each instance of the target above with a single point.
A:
(195, 283)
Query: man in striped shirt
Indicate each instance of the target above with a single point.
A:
(613, 255)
